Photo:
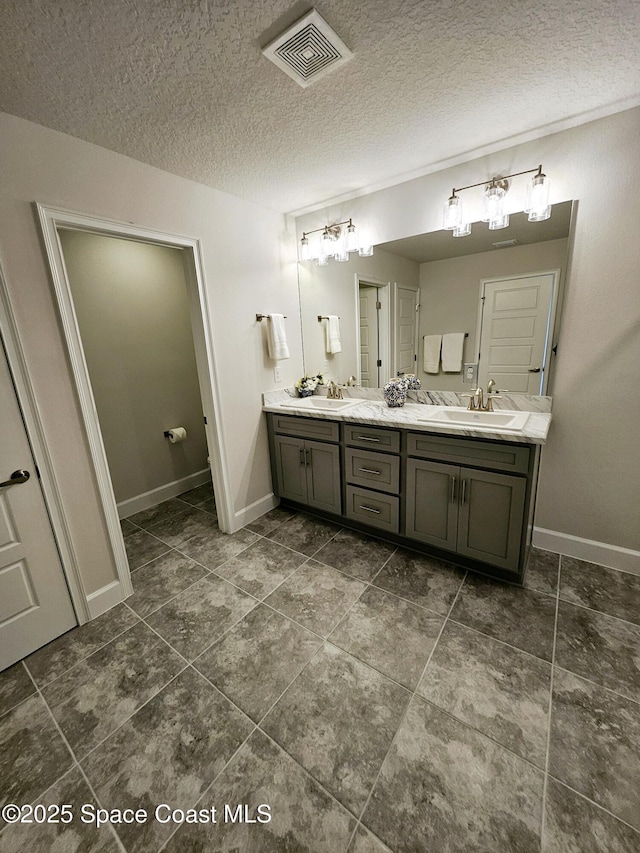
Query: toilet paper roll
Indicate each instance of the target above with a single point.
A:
(176, 434)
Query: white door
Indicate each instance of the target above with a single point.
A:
(369, 355)
(513, 338)
(35, 606)
(406, 329)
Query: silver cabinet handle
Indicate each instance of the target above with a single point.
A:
(453, 489)
(302, 456)
(366, 438)
(463, 496)
(307, 454)
(369, 509)
(369, 471)
(19, 476)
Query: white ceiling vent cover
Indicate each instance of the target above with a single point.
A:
(308, 50)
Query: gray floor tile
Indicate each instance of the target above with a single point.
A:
(543, 571)
(304, 818)
(128, 527)
(59, 656)
(168, 752)
(421, 579)
(608, 590)
(270, 520)
(501, 691)
(434, 791)
(73, 837)
(162, 579)
(194, 619)
(390, 634)
(600, 648)
(142, 547)
(365, 842)
(595, 744)
(102, 691)
(154, 514)
(261, 567)
(521, 617)
(176, 529)
(15, 687)
(213, 548)
(338, 719)
(355, 554)
(32, 753)
(304, 533)
(198, 495)
(316, 596)
(258, 659)
(575, 825)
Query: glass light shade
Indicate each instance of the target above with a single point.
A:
(351, 239)
(499, 222)
(305, 250)
(322, 261)
(341, 256)
(462, 230)
(328, 245)
(537, 203)
(365, 251)
(452, 213)
(493, 204)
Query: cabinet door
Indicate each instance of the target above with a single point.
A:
(432, 502)
(491, 517)
(323, 476)
(290, 468)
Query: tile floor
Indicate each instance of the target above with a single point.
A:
(375, 699)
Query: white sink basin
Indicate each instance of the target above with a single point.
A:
(504, 420)
(321, 404)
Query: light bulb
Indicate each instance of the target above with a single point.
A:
(452, 213)
(493, 204)
(328, 248)
(537, 204)
(305, 251)
(352, 238)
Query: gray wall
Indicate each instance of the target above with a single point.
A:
(449, 292)
(133, 311)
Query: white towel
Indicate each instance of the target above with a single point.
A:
(452, 346)
(332, 330)
(431, 353)
(277, 337)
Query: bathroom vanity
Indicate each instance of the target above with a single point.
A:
(461, 493)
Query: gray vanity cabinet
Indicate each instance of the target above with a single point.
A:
(476, 513)
(308, 471)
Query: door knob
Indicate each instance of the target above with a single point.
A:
(534, 370)
(19, 476)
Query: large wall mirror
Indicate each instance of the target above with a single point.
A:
(500, 289)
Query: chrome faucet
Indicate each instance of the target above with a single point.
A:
(334, 392)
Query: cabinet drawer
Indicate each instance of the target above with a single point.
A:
(307, 427)
(372, 438)
(483, 454)
(372, 470)
(371, 508)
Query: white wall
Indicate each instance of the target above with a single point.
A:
(247, 269)
(589, 483)
(132, 306)
(450, 291)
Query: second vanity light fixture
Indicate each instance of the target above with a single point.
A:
(537, 204)
(335, 242)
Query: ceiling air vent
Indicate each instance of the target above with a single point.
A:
(308, 50)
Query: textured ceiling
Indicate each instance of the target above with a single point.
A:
(183, 85)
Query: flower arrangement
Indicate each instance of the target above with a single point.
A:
(306, 385)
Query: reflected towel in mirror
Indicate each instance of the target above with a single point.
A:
(431, 353)
(452, 346)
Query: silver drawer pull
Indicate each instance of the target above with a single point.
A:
(366, 438)
(369, 509)
(369, 471)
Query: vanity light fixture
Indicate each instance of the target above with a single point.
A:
(335, 242)
(495, 190)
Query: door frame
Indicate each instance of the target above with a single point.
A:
(386, 345)
(53, 218)
(552, 332)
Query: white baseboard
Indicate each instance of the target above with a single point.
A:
(162, 493)
(589, 550)
(105, 598)
(249, 513)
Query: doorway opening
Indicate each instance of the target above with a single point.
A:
(373, 345)
(123, 290)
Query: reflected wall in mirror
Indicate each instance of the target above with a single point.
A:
(511, 332)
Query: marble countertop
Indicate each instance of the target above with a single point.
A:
(375, 412)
